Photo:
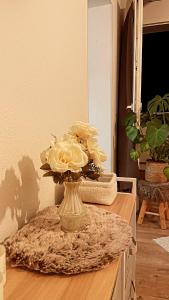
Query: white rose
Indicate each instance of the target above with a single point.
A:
(44, 156)
(96, 154)
(66, 155)
(83, 131)
(69, 138)
(73, 139)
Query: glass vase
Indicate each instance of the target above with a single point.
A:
(72, 211)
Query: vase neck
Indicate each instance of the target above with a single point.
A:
(72, 184)
(71, 187)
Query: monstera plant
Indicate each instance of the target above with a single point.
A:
(151, 136)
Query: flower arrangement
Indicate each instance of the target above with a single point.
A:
(75, 155)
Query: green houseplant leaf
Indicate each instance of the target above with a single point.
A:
(131, 132)
(157, 136)
(144, 118)
(166, 172)
(144, 146)
(151, 135)
(158, 104)
(154, 122)
(155, 105)
(130, 119)
(134, 154)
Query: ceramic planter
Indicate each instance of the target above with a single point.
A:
(154, 171)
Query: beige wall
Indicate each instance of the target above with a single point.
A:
(156, 12)
(43, 89)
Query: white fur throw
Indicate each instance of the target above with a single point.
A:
(42, 245)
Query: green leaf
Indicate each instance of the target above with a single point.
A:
(56, 179)
(132, 132)
(154, 122)
(134, 154)
(144, 118)
(157, 136)
(45, 167)
(144, 146)
(130, 119)
(154, 105)
(76, 176)
(167, 118)
(166, 172)
(93, 176)
(50, 173)
(158, 104)
(139, 138)
(166, 96)
(91, 171)
(166, 99)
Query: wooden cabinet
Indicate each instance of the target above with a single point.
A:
(115, 282)
(125, 283)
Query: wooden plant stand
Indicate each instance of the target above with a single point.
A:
(155, 199)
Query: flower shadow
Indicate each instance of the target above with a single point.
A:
(20, 194)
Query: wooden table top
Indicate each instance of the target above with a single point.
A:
(25, 285)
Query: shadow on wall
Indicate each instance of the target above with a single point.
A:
(20, 196)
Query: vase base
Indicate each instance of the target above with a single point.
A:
(73, 223)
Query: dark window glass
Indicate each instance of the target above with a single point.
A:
(155, 67)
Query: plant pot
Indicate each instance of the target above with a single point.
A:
(103, 191)
(154, 172)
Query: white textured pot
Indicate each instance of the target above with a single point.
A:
(103, 191)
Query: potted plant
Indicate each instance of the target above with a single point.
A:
(151, 136)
